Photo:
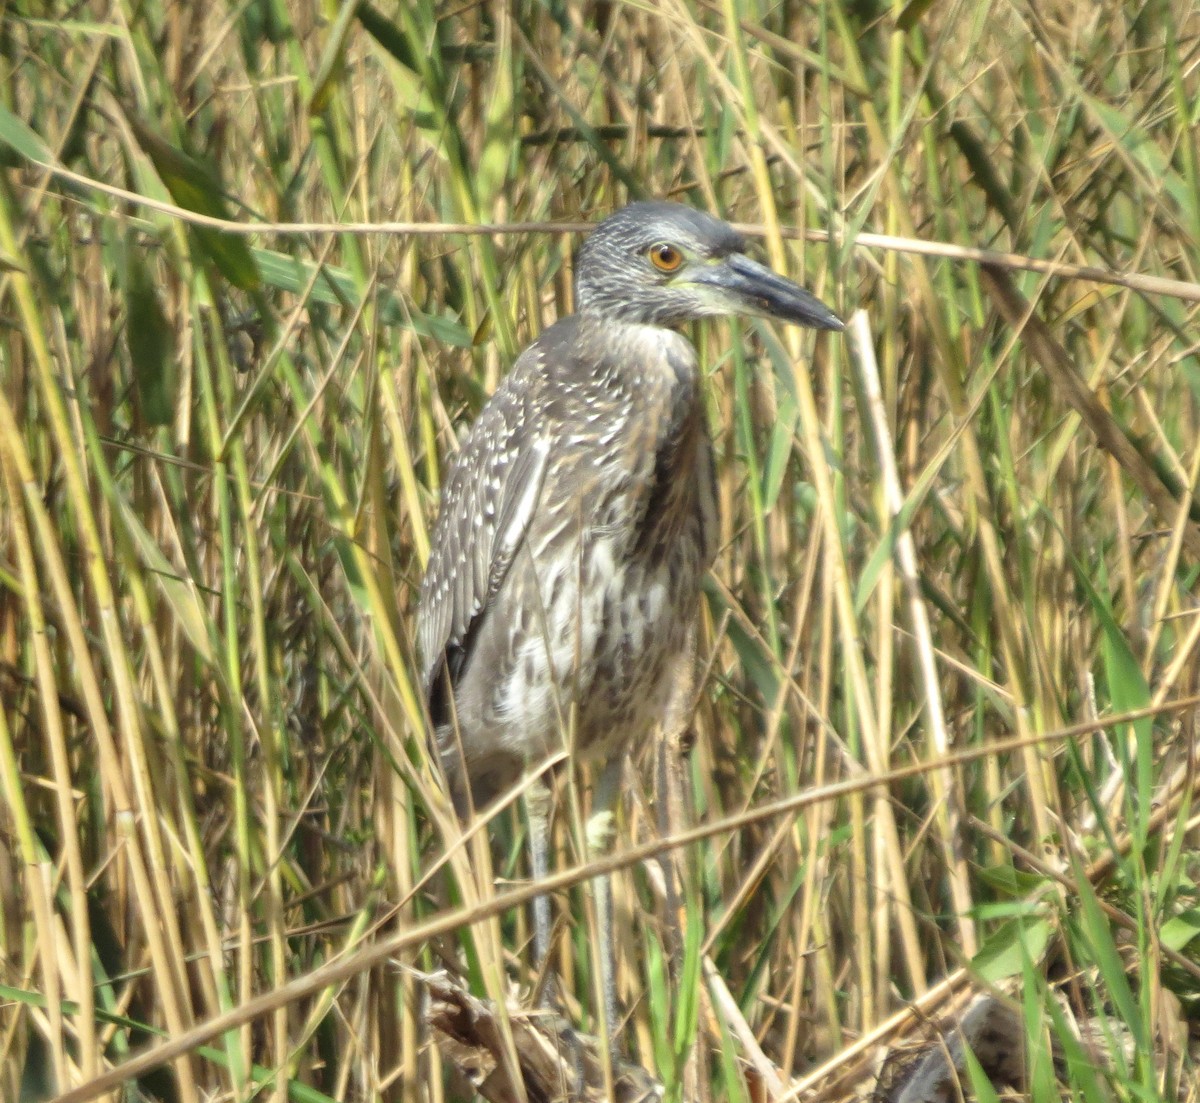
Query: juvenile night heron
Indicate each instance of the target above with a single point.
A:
(576, 524)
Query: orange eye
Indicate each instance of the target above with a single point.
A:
(665, 257)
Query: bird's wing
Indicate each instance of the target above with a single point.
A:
(491, 493)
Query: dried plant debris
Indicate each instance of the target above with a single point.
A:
(554, 1062)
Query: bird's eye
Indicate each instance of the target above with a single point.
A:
(665, 257)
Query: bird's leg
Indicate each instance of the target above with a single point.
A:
(601, 830)
(538, 803)
(674, 747)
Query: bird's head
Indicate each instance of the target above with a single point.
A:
(665, 264)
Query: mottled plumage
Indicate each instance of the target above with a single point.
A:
(584, 496)
(580, 514)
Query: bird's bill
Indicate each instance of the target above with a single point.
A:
(746, 287)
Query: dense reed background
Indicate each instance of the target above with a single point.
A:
(221, 454)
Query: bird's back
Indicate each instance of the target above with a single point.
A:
(576, 524)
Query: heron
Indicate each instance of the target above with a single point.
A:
(577, 520)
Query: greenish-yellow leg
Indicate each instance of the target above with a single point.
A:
(538, 804)
(601, 831)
